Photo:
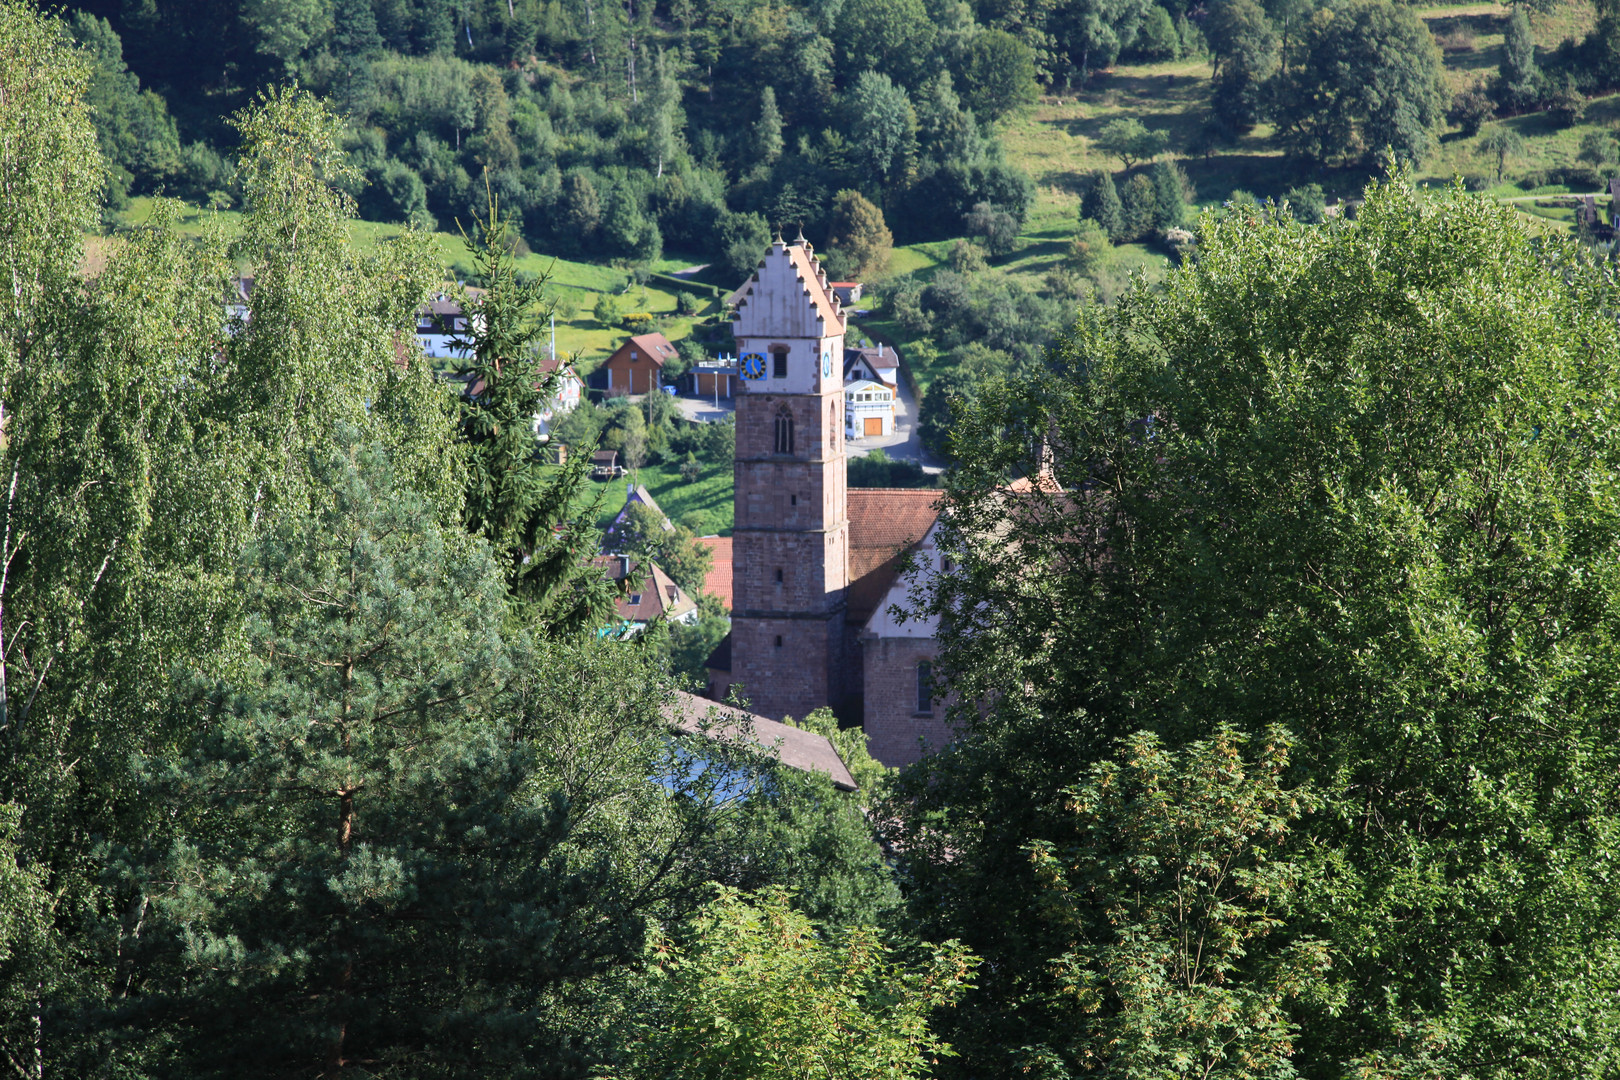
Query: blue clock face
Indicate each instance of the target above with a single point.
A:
(826, 364)
(753, 366)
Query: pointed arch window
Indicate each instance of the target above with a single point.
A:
(784, 430)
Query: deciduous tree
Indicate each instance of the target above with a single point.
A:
(1326, 479)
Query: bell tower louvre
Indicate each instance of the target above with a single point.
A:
(790, 545)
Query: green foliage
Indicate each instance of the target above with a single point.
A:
(995, 227)
(1089, 35)
(936, 416)
(859, 232)
(1518, 82)
(1101, 204)
(1139, 207)
(49, 168)
(1327, 479)
(1171, 194)
(870, 775)
(1499, 144)
(1470, 109)
(530, 514)
(883, 127)
(1090, 246)
(1129, 141)
(139, 141)
(877, 470)
(398, 813)
(647, 534)
(1246, 53)
(1157, 38)
(756, 991)
(767, 129)
(1369, 78)
(1308, 204)
(998, 75)
(1173, 892)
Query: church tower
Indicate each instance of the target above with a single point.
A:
(790, 544)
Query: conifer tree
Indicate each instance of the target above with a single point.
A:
(767, 129)
(1102, 205)
(531, 512)
(1139, 207)
(410, 832)
(1518, 77)
(1170, 205)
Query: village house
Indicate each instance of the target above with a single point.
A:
(648, 594)
(794, 747)
(715, 378)
(848, 292)
(868, 409)
(636, 367)
(879, 364)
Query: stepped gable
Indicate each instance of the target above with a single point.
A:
(793, 747)
(884, 523)
(823, 304)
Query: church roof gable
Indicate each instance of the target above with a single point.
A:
(884, 523)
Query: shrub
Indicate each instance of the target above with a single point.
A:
(1471, 108)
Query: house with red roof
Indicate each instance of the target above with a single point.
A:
(636, 366)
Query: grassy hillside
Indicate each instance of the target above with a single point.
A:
(576, 285)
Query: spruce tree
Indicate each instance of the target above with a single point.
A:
(1102, 205)
(534, 514)
(1139, 206)
(1170, 205)
(1518, 76)
(767, 129)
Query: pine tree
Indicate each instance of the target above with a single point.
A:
(1102, 205)
(406, 822)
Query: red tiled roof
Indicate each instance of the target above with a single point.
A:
(883, 523)
(793, 747)
(717, 583)
(654, 346)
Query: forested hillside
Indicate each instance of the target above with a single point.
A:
(1279, 608)
(612, 130)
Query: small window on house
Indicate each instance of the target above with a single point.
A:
(779, 362)
(925, 689)
(784, 431)
(778, 641)
(633, 355)
(635, 598)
